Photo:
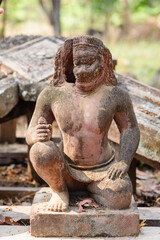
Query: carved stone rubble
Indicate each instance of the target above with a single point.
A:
(84, 98)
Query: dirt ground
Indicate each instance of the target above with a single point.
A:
(148, 186)
(15, 175)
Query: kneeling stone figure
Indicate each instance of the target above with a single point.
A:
(84, 98)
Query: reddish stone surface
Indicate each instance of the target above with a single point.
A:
(92, 223)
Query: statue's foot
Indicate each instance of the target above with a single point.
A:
(59, 202)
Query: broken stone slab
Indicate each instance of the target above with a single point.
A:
(33, 65)
(8, 95)
(2, 75)
(92, 223)
(29, 91)
(9, 43)
(33, 62)
(146, 103)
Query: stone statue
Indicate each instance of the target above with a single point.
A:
(84, 98)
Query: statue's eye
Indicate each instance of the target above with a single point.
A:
(84, 61)
(91, 60)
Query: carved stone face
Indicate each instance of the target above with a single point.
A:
(88, 66)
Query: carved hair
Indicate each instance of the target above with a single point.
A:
(64, 60)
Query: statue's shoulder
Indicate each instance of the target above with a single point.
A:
(56, 93)
(48, 95)
(120, 94)
(49, 91)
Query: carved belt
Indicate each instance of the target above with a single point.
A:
(89, 174)
(94, 166)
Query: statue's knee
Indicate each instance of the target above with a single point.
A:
(113, 194)
(120, 191)
(121, 185)
(43, 153)
(117, 185)
(119, 200)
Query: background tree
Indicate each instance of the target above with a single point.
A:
(52, 10)
(125, 17)
(103, 8)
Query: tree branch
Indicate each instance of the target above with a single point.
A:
(44, 7)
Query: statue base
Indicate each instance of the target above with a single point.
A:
(94, 222)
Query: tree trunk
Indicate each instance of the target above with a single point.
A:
(52, 10)
(107, 25)
(56, 17)
(125, 17)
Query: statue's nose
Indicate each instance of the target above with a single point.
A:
(81, 70)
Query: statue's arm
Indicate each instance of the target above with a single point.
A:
(129, 135)
(40, 127)
(127, 124)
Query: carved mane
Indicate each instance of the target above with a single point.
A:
(64, 62)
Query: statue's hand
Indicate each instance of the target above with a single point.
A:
(117, 170)
(43, 130)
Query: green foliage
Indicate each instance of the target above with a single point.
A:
(20, 11)
(142, 9)
(85, 14)
(81, 15)
(103, 5)
(74, 16)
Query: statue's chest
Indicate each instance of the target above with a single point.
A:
(82, 114)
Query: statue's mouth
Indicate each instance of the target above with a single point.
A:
(86, 78)
(83, 77)
(85, 84)
(88, 81)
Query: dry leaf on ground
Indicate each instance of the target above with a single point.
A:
(142, 224)
(82, 203)
(8, 220)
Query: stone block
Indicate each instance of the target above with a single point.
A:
(98, 222)
(8, 95)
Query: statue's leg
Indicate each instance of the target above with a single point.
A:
(113, 194)
(48, 161)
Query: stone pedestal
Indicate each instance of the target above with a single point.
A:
(98, 222)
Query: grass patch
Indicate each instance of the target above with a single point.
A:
(139, 58)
